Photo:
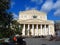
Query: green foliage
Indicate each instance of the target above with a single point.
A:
(4, 5)
(16, 27)
(5, 19)
(5, 32)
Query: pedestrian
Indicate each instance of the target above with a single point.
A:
(14, 39)
(20, 41)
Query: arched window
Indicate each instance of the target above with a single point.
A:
(34, 16)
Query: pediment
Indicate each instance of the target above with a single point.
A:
(35, 21)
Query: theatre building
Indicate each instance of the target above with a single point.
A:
(35, 23)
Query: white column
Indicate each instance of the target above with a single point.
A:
(37, 29)
(41, 29)
(32, 29)
(23, 31)
(28, 29)
(45, 29)
(48, 29)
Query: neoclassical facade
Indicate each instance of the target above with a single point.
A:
(35, 23)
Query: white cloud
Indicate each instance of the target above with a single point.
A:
(12, 4)
(49, 0)
(34, 8)
(47, 6)
(29, 8)
(15, 16)
(57, 8)
(57, 12)
(57, 5)
(38, 2)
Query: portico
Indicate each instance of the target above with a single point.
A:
(36, 29)
(32, 29)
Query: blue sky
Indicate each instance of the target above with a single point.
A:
(50, 7)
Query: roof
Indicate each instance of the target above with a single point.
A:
(33, 11)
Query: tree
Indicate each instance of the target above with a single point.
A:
(16, 27)
(4, 6)
(5, 19)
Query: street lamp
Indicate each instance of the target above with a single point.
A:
(19, 25)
